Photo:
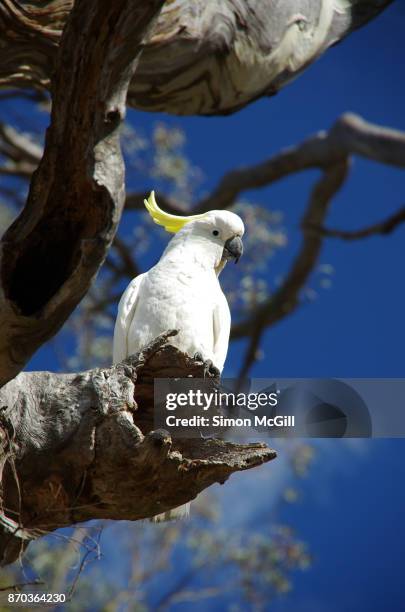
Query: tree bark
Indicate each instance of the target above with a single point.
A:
(51, 253)
(79, 446)
(204, 57)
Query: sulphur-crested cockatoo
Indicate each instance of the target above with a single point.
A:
(182, 292)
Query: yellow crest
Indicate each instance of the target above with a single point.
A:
(171, 223)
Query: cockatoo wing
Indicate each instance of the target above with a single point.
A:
(222, 328)
(126, 311)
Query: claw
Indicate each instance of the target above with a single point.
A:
(209, 368)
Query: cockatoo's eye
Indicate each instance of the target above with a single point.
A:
(215, 232)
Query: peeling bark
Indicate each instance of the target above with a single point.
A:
(79, 446)
(204, 57)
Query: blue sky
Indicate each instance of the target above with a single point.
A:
(352, 503)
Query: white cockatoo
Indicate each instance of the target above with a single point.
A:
(182, 292)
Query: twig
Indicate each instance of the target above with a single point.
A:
(85, 561)
(383, 227)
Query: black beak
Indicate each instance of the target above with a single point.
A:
(233, 249)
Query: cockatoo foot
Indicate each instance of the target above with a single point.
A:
(209, 368)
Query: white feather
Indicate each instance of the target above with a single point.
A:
(126, 311)
(222, 328)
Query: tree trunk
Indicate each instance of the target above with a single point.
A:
(51, 253)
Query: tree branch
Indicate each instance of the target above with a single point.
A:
(327, 151)
(211, 58)
(331, 153)
(350, 135)
(80, 447)
(52, 252)
(384, 227)
(18, 147)
(21, 153)
(284, 301)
